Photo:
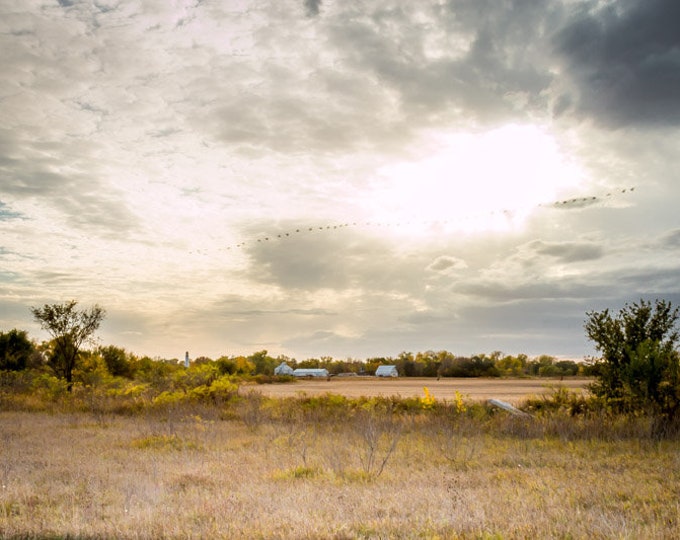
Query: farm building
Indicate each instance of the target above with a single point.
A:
(386, 371)
(283, 369)
(300, 372)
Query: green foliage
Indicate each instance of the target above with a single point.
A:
(639, 369)
(567, 368)
(69, 328)
(512, 366)
(477, 366)
(211, 391)
(561, 400)
(49, 387)
(118, 361)
(194, 376)
(15, 350)
(91, 370)
(263, 364)
(238, 365)
(156, 373)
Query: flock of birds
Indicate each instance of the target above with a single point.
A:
(578, 202)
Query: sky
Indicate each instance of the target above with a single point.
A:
(352, 178)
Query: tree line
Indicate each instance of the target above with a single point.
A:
(70, 328)
(638, 370)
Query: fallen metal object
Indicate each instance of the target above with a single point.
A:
(506, 406)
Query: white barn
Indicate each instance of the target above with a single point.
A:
(386, 371)
(283, 369)
(301, 372)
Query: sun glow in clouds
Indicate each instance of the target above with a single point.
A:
(475, 182)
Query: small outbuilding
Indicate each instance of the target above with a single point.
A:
(309, 372)
(386, 371)
(283, 369)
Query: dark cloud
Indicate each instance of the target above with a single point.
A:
(653, 281)
(671, 240)
(394, 71)
(497, 291)
(569, 252)
(625, 60)
(85, 201)
(312, 7)
(473, 56)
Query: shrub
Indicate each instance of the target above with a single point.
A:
(640, 369)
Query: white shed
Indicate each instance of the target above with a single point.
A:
(386, 371)
(283, 369)
(301, 372)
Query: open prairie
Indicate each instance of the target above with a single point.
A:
(294, 471)
(474, 389)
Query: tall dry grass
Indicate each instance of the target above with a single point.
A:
(331, 467)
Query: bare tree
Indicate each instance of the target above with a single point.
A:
(380, 433)
(69, 328)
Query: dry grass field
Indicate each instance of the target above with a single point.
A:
(475, 389)
(265, 468)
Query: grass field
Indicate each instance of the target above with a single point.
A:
(476, 389)
(312, 468)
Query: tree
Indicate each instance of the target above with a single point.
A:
(70, 328)
(263, 364)
(117, 361)
(15, 350)
(639, 369)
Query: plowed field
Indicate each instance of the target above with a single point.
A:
(511, 390)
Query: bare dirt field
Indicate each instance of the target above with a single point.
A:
(511, 390)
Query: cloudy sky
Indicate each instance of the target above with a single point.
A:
(346, 178)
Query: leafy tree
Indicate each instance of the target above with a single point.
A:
(15, 350)
(639, 368)
(156, 372)
(429, 362)
(91, 369)
(511, 366)
(70, 328)
(263, 363)
(566, 367)
(117, 361)
(238, 365)
(406, 364)
(308, 363)
(543, 366)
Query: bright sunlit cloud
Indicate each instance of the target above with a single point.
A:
(475, 182)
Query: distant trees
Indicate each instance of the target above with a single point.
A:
(446, 364)
(639, 369)
(70, 328)
(15, 350)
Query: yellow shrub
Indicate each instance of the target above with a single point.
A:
(427, 402)
(458, 402)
